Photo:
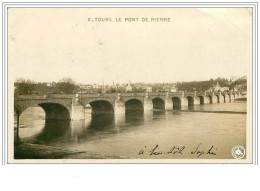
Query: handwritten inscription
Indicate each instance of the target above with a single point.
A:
(198, 151)
(130, 19)
(175, 150)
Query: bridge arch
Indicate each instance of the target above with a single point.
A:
(52, 110)
(224, 98)
(55, 111)
(101, 107)
(101, 122)
(190, 101)
(217, 98)
(229, 97)
(201, 100)
(54, 129)
(176, 102)
(133, 105)
(158, 103)
(210, 99)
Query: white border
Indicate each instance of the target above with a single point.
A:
(254, 75)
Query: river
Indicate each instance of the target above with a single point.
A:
(155, 134)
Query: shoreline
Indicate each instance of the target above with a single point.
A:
(35, 151)
(204, 111)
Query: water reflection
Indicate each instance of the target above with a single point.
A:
(159, 112)
(102, 122)
(159, 115)
(97, 127)
(54, 129)
(134, 118)
(176, 107)
(190, 107)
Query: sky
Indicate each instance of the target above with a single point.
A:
(47, 44)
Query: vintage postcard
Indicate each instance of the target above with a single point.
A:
(130, 84)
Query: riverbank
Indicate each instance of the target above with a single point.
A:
(203, 111)
(241, 99)
(34, 151)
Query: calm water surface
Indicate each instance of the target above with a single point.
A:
(156, 134)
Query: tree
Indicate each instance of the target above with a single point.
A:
(112, 90)
(24, 86)
(67, 85)
(241, 82)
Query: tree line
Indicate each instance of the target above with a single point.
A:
(27, 86)
(68, 86)
(206, 85)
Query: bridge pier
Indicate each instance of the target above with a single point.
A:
(184, 101)
(221, 98)
(168, 104)
(77, 112)
(232, 98)
(214, 98)
(148, 104)
(227, 98)
(206, 99)
(196, 100)
(119, 107)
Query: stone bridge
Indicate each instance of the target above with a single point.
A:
(72, 107)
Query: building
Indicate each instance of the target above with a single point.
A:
(236, 88)
(128, 88)
(95, 86)
(224, 89)
(52, 84)
(173, 89)
(149, 89)
(217, 87)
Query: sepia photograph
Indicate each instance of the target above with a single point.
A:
(130, 84)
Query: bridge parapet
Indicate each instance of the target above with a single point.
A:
(108, 95)
(132, 94)
(157, 94)
(224, 93)
(113, 95)
(209, 93)
(41, 99)
(176, 93)
(31, 96)
(25, 97)
(201, 93)
(186, 94)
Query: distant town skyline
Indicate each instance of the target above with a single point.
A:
(46, 45)
(68, 86)
(233, 78)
